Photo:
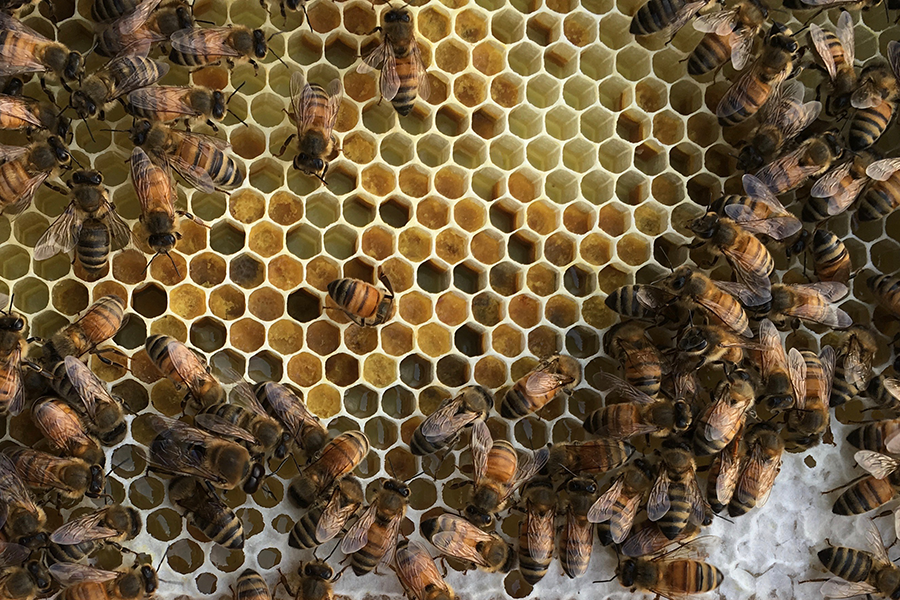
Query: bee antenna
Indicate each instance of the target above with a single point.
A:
(236, 90)
(73, 156)
(92, 48)
(174, 266)
(306, 17)
(322, 179)
(90, 133)
(329, 554)
(203, 21)
(278, 57)
(149, 262)
(391, 465)
(117, 130)
(607, 580)
(233, 114)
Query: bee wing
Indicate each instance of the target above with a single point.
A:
(830, 183)
(130, 22)
(721, 22)
(17, 55)
(722, 416)
(62, 235)
(893, 51)
(12, 390)
(741, 293)
(580, 536)
(298, 88)
(875, 543)
(358, 535)
(684, 15)
(11, 153)
(71, 573)
(764, 472)
(334, 517)
(838, 588)
(820, 43)
(724, 312)
(457, 546)
(446, 421)
(882, 170)
(759, 191)
(170, 454)
(540, 527)
(13, 554)
(774, 356)
(847, 37)
(541, 382)
(144, 175)
(797, 369)
(776, 227)
(742, 47)
(59, 429)
(729, 471)
(736, 97)
(697, 548)
(83, 529)
(120, 232)
(878, 465)
(335, 96)
(700, 509)
(17, 108)
(289, 408)
(10, 23)
(207, 41)
(187, 365)
(417, 571)
(27, 194)
(216, 424)
(423, 89)
(12, 488)
(481, 443)
(393, 530)
(815, 304)
(527, 467)
(621, 522)
(846, 196)
(174, 98)
(194, 175)
(855, 369)
(658, 503)
(89, 389)
(625, 389)
(602, 509)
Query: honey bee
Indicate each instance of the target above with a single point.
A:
(671, 574)
(18, 113)
(12, 349)
(338, 458)
(24, 169)
(119, 77)
(286, 406)
(860, 572)
(870, 492)
(713, 344)
(77, 538)
(775, 368)
(886, 290)
(179, 449)
(80, 582)
(89, 224)
(200, 159)
(838, 53)
(808, 302)
(759, 468)
(856, 352)
(179, 363)
(640, 415)
(576, 541)
(627, 301)
(875, 99)
(641, 361)
(373, 538)
(100, 322)
(646, 539)
(721, 421)
(881, 198)
(23, 50)
(831, 259)
(874, 435)
(667, 16)
(23, 581)
(63, 428)
(167, 103)
(81, 388)
(204, 46)
(776, 62)
(593, 456)
(810, 418)
(457, 538)
(675, 498)
(723, 475)
(813, 157)
(839, 188)
(135, 32)
(327, 518)
(403, 75)
(205, 511)
(315, 581)
(24, 519)
(263, 435)
(419, 575)
(884, 391)
(729, 34)
(619, 504)
(314, 111)
(251, 586)
(362, 302)
(442, 428)
(71, 478)
(536, 530)
(553, 376)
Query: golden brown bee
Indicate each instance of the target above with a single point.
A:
(859, 572)
(676, 499)
(18, 113)
(282, 403)
(714, 344)
(83, 390)
(641, 415)
(872, 491)
(362, 302)
(838, 53)
(759, 468)
(777, 60)
(155, 190)
(25, 520)
(886, 290)
(337, 459)
(135, 32)
(77, 538)
(831, 259)
(457, 538)
(200, 159)
(723, 474)
(373, 538)
(101, 321)
(179, 449)
(883, 196)
(839, 188)
(247, 421)
(646, 539)
(23, 50)
(884, 391)
(403, 75)
(775, 368)
(760, 211)
(12, 350)
(251, 586)
(619, 504)
(315, 581)
(179, 363)
(875, 99)
(205, 511)
(24, 169)
(721, 421)
(119, 76)
(65, 431)
(810, 418)
(166, 103)
(667, 16)
(813, 157)
(71, 478)
(442, 428)
(90, 225)
(805, 301)
(81, 582)
(577, 537)
(536, 530)
(729, 35)
(314, 111)
(553, 376)
(204, 46)
(593, 456)
(642, 362)
(669, 574)
(855, 352)
(327, 517)
(874, 435)
(419, 575)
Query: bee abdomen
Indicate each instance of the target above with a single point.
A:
(842, 391)
(251, 586)
(880, 199)
(224, 528)
(71, 552)
(303, 534)
(655, 16)
(847, 563)
(863, 496)
(93, 245)
(868, 124)
(532, 569)
(188, 60)
(710, 54)
(673, 522)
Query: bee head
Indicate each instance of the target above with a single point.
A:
(582, 484)
(397, 486)
(693, 341)
(749, 158)
(627, 572)
(140, 131)
(162, 242)
(683, 415)
(479, 518)
(799, 245)
(14, 87)
(151, 581)
(63, 127)
(397, 15)
(219, 105)
(87, 178)
(317, 570)
(260, 46)
(293, 4)
(74, 66)
(257, 474)
(308, 164)
(83, 104)
(705, 226)
(833, 138)
(60, 151)
(12, 323)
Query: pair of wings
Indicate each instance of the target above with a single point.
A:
(334, 516)
(245, 398)
(812, 301)
(724, 415)
(357, 536)
(88, 387)
(37, 475)
(740, 36)
(869, 93)
(658, 504)
(305, 101)
(448, 420)
(129, 73)
(822, 43)
(73, 573)
(384, 58)
(418, 573)
(166, 98)
(801, 376)
(620, 521)
(456, 537)
(126, 35)
(17, 54)
(838, 588)
(786, 112)
(774, 359)
(12, 388)
(24, 109)
(205, 146)
(188, 366)
(838, 193)
(61, 427)
(63, 233)
(13, 490)
(290, 409)
(174, 451)
(205, 41)
(527, 465)
(86, 528)
(756, 477)
(737, 99)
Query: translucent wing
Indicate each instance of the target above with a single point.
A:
(12, 390)
(882, 170)
(83, 529)
(540, 527)
(830, 183)
(797, 369)
(876, 464)
(71, 573)
(722, 416)
(721, 22)
(298, 88)
(528, 466)
(27, 193)
(446, 421)
(827, 359)
(875, 544)
(187, 365)
(580, 536)
(729, 471)
(792, 162)
(358, 535)
(736, 98)
(148, 178)
(120, 232)
(776, 227)
(13, 554)
(845, 33)
(423, 88)
(742, 48)
(208, 41)
(390, 79)
(855, 370)
(12, 24)
(216, 424)
(621, 522)
(699, 507)
(724, 312)
(684, 15)
(333, 518)
(838, 588)
(335, 93)
(142, 72)
(59, 428)
(132, 21)
(461, 544)
(625, 389)
(815, 304)
(820, 43)
(893, 56)
(602, 509)
(658, 504)
(17, 108)
(289, 408)
(90, 390)
(773, 357)
(417, 571)
(175, 99)
(481, 443)
(11, 486)
(174, 451)
(18, 52)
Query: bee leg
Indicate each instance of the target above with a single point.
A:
(56, 188)
(284, 146)
(282, 580)
(211, 124)
(47, 91)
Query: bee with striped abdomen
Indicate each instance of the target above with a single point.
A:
(875, 98)
(148, 23)
(813, 157)
(442, 428)
(79, 386)
(18, 113)
(855, 353)
(675, 498)
(874, 435)
(642, 363)
(100, 322)
(373, 538)
(314, 110)
(776, 370)
(838, 53)
(316, 578)
(536, 530)
(204, 46)
(251, 586)
(668, 16)
(557, 375)
(71, 478)
(835, 191)
(671, 574)
(419, 575)
(12, 354)
(264, 437)
(831, 259)
(288, 407)
(117, 78)
(77, 538)
(639, 415)
(886, 290)
(883, 196)
(714, 344)
(884, 391)
(577, 538)
(721, 421)
(80, 582)
(811, 302)
(25, 520)
(181, 365)
(457, 538)
(860, 572)
(169, 103)
(24, 169)
(647, 539)
(592, 456)
(62, 426)
(620, 503)
(810, 419)
(337, 459)
(327, 518)
(729, 35)
(206, 511)
(759, 468)
(627, 301)
(362, 302)
(23, 50)
(723, 475)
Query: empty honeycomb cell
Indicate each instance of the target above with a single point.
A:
(525, 59)
(149, 300)
(582, 342)
(580, 93)
(416, 371)
(13, 262)
(543, 342)
(561, 123)
(543, 153)
(632, 188)
(451, 182)
(703, 129)
(433, 150)
(720, 160)
(579, 156)
(523, 248)
(488, 183)
(668, 189)
(488, 121)
(247, 335)
(322, 209)
(305, 47)
(559, 249)
(304, 241)
(340, 241)
(264, 109)
(543, 29)
(614, 30)
(45, 324)
(580, 280)
(702, 189)
(226, 302)
(378, 117)
(29, 228)
(208, 334)
(686, 158)
(615, 156)
(52, 269)
(396, 149)
(226, 238)
(469, 340)
(467, 279)
(248, 142)
(469, 152)
(597, 124)
(341, 369)
(433, 277)
(398, 402)
(146, 493)
(685, 97)
(341, 51)
(542, 279)
(247, 271)
(507, 26)
(415, 308)
(505, 90)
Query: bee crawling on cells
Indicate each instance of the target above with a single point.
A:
(314, 110)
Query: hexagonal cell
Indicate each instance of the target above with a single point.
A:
(561, 123)
(451, 246)
(632, 188)
(433, 150)
(668, 127)
(304, 306)
(543, 153)
(434, 23)
(505, 278)
(542, 217)
(415, 308)
(559, 249)
(266, 175)
(149, 300)
(507, 26)
(208, 334)
(560, 60)
(468, 279)
(340, 241)
(580, 29)
(615, 156)
(304, 241)
(416, 371)
(452, 120)
(597, 124)
(469, 152)
(525, 59)
(433, 277)
(580, 280)
(396, 149)
(415, 244)
(225, 238)
(542, 91)
(523, 247)
(488, 57)
(451, 56)
(395, 212)
(246, 271)
(650, 158)
(686, 158)
(378, 118)
(505, 90)
(668, 189)
(265, 239)
(720, 160)
(578, 155)
(633, 249)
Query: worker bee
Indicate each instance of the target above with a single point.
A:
(875, 99)
(646, 538)
(135, 32)
(77, 538)
(180, 364)
(290, 410)
(874, 490)
(778, 371)
(18, 113)
(667, 16)
(810, 302)
(71, 478)
(640, 415)
(729, 34)
(810, 418)
(881, 198)
(12, 349)
(63, 428)
(813, 157)
(852, 373)
(251, 586)
(403, 75)
(884, 391)
(204, 46)
(874, 435)
(831, 259)
(205, 511)
(89, 224)
(759, 468)
(536, 530)
(179, 449)
(362, 302)
(373, 538)
(166, 103)
(337, 459)
(442, 428)
(457, 538)
(27, 51)
(499, 471)
(577, 537)
(640, 359)
(712, 344)
(101, 321)
(758, 211)
(262, 434)
(627, 301)
(314, 111)
(723, 474)
(780, 120)
(776, 62)
(671, 574)
(80, 581)
(721, 421)
(553, 376)
(327, 518)
(676, 499)
(21, 578)
(200, 159)
(619, 504)
(839, 188)
(25, 520)
(24, 169)
(859, 572)
(418, 574)
(886, 290)
(316, 578)
(838, 53)
(593, 456)
(81, 388)
(119, 77)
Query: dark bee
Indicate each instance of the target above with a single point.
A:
(577, 538)
(200, 47)
(642, 362)
(337, 459)
(442, 427)
(859, 572)
(328, 517)
(77, 538)
(856, 352)
(101, 321)
(374, 535)
(288, 407)
(64, 429)
(71, 478)
(117, 78)
(12, 352)
(759, 468)
(813, 157)
(669, 575)
(620, 503)
(883, 196)
(536, 532)
(729, 35)
(557, 375)
(839, 188)
(720, 422)
(135, 32)
(667, 16)
(85, 392)
(166, 104)
(675, 498)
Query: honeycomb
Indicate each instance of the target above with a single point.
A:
(555, 160)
